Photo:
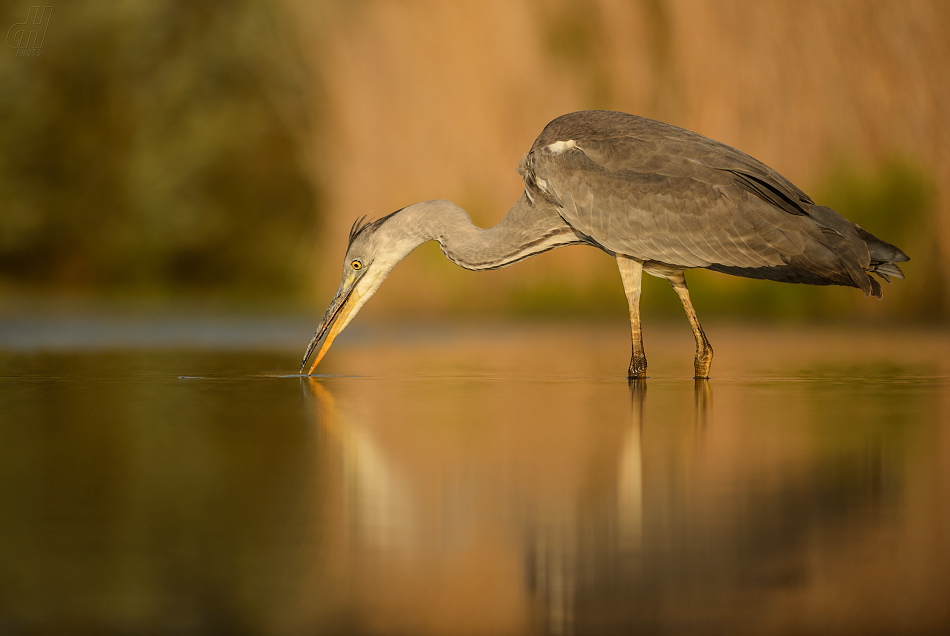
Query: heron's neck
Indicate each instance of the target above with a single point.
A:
(525, 231)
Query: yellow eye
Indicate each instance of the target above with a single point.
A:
(356, 265)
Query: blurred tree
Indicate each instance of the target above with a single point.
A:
(156, 145)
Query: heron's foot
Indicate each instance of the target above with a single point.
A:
(638, 368)
(702, 362)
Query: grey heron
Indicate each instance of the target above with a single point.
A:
(658, 198)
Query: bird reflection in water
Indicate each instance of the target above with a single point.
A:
(564, 557)
(551, 539)
(572, 507)
(378, 502)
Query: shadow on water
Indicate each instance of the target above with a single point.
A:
(218, 493)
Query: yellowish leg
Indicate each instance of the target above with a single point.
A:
(631, 272)
(704, 351)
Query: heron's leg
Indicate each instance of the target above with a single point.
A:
(631, 271)
(704, 351)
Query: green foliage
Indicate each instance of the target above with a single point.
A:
(571, 38)
(150, 146)
(894, 201)
(552, 298)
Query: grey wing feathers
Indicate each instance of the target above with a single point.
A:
(660, 193)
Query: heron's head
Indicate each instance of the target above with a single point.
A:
(375, 248)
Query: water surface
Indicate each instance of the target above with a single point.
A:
(492, 480)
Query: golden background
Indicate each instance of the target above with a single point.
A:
(222, 149)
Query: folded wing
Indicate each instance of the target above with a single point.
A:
(663, 194)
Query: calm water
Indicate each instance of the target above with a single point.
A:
(503, 480)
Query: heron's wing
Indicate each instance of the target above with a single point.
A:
(661, 193)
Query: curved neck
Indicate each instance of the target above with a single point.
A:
(525, 231)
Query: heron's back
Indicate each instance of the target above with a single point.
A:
(663, 194)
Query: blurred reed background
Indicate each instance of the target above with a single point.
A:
(181, 150)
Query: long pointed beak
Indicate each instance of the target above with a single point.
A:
(333, 322)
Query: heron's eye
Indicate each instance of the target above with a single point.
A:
(356, 265)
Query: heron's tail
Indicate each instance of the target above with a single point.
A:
(884, 256)
(859, 252)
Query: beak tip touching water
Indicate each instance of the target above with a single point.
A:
(306, 355)
(333, 322)
(313, 343)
